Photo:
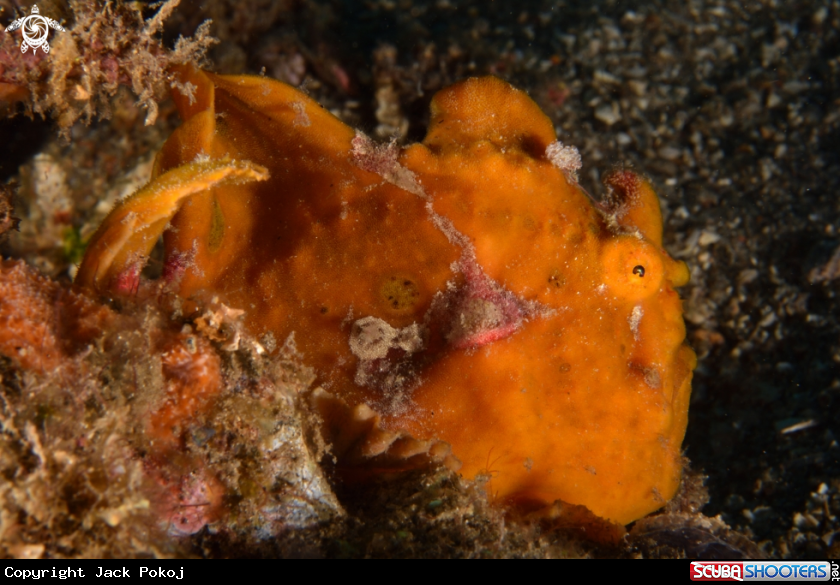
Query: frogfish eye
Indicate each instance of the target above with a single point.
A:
(633, 268)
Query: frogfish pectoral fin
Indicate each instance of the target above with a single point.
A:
(118, 249)
(364, 448)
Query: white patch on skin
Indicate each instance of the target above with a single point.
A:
(382, 159)
(186, 89)
(384, 355)
(301, 117)
(634, 319)
(653, 379)
(371, 338)
(565, 158)
(474, 316)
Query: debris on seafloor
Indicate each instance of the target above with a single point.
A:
(108, 44)
(828, 271)
(693, 536)
(681, 531)
(8, 222)
(95, 404)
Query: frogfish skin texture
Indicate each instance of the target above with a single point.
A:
(464, 289)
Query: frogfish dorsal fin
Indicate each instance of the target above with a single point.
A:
(194, 96)
(271, 116)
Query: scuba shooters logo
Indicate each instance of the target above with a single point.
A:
(35, 29)
(764, 571)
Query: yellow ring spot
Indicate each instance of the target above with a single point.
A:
(400, 293)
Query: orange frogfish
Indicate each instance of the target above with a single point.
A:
(464, 293)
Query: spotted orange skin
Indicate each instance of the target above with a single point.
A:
(585, 400)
